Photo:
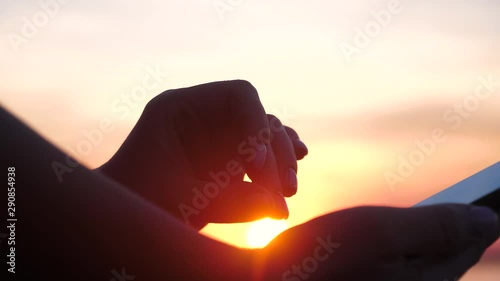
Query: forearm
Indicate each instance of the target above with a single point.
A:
(87, 225)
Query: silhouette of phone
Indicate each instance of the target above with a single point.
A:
(482, 188)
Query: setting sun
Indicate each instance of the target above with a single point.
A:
(263, 231)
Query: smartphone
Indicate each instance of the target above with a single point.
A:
(482, 188)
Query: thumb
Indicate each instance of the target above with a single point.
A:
(242, 202)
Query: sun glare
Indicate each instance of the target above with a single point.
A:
(263, 231)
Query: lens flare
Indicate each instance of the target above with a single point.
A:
(261, 232)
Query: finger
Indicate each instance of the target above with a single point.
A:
(300, 147)
(440, 229)
(269, 177)
(285, 156)
(236, 203)
(235, 105)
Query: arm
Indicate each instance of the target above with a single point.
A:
(88, 225)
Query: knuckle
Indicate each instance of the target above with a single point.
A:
(291, 132)
(242, 83)
(243, 87)
(275, 124)
(273, 118)
(160, 99)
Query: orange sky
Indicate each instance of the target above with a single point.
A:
(358, 116)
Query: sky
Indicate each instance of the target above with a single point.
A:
(363, 82)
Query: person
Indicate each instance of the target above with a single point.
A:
(182, 166)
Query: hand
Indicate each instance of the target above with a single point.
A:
(434, 243)
(191, 148)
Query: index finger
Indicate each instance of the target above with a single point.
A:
(235, 105)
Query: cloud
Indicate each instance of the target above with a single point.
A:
(404, 121)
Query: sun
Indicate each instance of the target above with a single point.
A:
(261, 232)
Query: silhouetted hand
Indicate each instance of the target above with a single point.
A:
(191, 148)
(434, 243)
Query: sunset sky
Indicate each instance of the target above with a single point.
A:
(65, 67)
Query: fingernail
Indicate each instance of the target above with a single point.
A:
(290, 181)
(300, 149)
(260, 156)
(485, 221)
(280, 205)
